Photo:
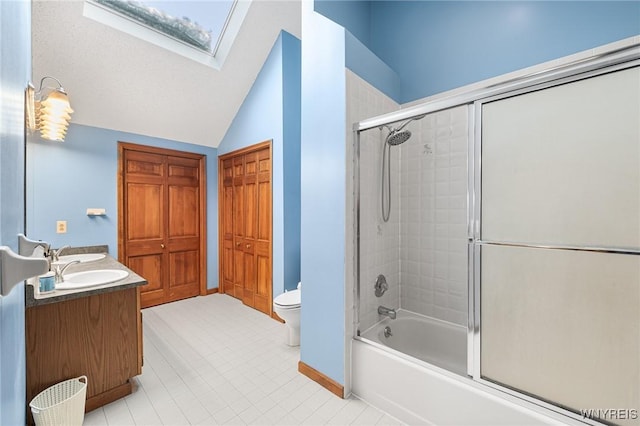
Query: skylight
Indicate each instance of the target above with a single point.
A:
(200, 30)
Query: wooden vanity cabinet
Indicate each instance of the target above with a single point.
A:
(99, 336)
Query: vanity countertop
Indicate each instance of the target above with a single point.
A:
(132, 280)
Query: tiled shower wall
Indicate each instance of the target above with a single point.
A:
(422, 249)
(433, 238)
(379, 241)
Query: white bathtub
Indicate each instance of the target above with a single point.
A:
(437, 342)
(409, 375)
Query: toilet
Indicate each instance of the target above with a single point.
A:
(287, 307)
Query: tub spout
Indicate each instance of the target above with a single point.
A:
(388, 312)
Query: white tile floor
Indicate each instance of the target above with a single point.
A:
(212, 360)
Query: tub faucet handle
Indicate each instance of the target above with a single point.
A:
(381, 285)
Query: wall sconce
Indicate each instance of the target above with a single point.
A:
(48, 110)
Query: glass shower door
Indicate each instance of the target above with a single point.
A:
(560, 245)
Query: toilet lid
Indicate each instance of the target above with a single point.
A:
(288, 299)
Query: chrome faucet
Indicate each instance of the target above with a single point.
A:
(59, 271)
(388, 312)
(56, 253)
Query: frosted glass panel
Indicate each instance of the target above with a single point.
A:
(562, 165)
(563, 326)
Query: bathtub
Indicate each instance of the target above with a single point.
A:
(434, 341)
(418, 375)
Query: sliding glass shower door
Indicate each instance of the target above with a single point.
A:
(559, 244)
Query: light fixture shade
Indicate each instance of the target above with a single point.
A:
(53, 113)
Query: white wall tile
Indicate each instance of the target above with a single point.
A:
(434, 171)
(422, 250)
(379, 241)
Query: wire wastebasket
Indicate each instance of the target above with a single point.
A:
(61, 404)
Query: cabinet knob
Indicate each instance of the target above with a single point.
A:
(248, 245)
(161, 245)
(238, 244)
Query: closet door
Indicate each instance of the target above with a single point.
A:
(245, 221)
(183, 227)
(262, 244)
(250, 225)
(238, 227)
(162, 221)
(143, 225)
(226, 226)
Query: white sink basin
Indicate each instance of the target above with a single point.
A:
(91, 278)
(83, 258)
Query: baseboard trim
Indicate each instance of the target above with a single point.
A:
(212, 291)
(326, 382)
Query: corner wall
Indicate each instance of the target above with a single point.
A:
(64, 179)
(271, 111)
(15, 69)
(322, 339)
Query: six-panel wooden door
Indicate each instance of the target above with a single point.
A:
(245, 226)
(161, 228)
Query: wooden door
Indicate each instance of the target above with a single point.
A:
(250, 214)
(227, 250)
(162, 221)
(245, 220)
(263, 273)
(238, 226)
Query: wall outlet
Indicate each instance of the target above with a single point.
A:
(61, 227)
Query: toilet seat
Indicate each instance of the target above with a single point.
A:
(288, 300)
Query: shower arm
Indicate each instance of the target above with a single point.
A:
(403, 125)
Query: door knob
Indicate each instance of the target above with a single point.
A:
(161, 245)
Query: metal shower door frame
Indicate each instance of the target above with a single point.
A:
(598, 64)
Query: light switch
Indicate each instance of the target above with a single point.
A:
(61, 227)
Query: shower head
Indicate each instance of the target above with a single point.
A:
(398, 137)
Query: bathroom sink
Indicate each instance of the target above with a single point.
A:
(91, 278)
(83, 258)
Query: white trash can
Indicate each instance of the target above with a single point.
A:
(61, 404)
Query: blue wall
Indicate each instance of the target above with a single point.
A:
(441, 45)
(64, 179)
(362, 61)
(435, 46)
(323, 195)
(291, 76)
(15, 69)
(271, 111)
(354, 15)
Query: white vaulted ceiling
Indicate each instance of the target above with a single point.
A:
(116, 81)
